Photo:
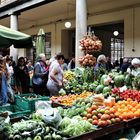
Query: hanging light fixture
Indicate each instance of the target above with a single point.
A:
(67, 23)
(115, 33)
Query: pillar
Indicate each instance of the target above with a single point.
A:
(81, 26)
(14, 25)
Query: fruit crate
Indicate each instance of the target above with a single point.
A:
(27, 101)
(14, 111)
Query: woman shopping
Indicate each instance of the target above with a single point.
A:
(40, 72)
(55, 79)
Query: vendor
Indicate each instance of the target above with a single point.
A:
(101, 66)
(134, 68)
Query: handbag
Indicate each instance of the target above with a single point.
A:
(38, 80)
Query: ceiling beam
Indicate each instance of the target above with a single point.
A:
(20, 6)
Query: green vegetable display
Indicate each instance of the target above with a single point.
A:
(75, 126)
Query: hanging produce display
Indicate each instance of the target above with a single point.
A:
(87, 60)
(90, 43)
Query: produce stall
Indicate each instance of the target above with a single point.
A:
(87, 108)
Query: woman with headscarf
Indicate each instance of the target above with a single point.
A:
(41, 71)
(55, 79)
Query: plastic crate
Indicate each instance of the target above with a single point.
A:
(27, 101)
(15, 111)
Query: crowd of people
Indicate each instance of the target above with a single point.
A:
(17, 78)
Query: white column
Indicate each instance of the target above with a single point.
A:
(81, 26)
(14, 25)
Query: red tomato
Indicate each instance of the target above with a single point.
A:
(89, 115)
(95, 122)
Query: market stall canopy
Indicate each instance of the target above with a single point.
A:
(10, 37)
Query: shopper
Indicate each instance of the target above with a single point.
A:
(134, 68)
(5, 95)
(109, 65)
(10, 73)
(21, 76)
(125, 65)
(30, 67)
(40, 70)
(71, 64)
(55, 79)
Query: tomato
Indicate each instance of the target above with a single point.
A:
(99, 115)
(94, 117)
(90, 120)
(95, 122)
(94, 107)
(84, 118)
(89, 115)
(94, 112)
(118, 119)
(89, 110)
(109, 122)
(100, 123)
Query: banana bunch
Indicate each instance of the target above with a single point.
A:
(69, 75)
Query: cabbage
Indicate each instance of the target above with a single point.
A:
(75, 126)
(64, 122)
(53, 119)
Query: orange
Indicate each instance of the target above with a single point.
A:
(130, 115)
(112, 110)
(134, 103)
(117, 114)
(129, 99)
(133, 109)
(136, 114)
(129, 107)
(123, 106)
(124, 115)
